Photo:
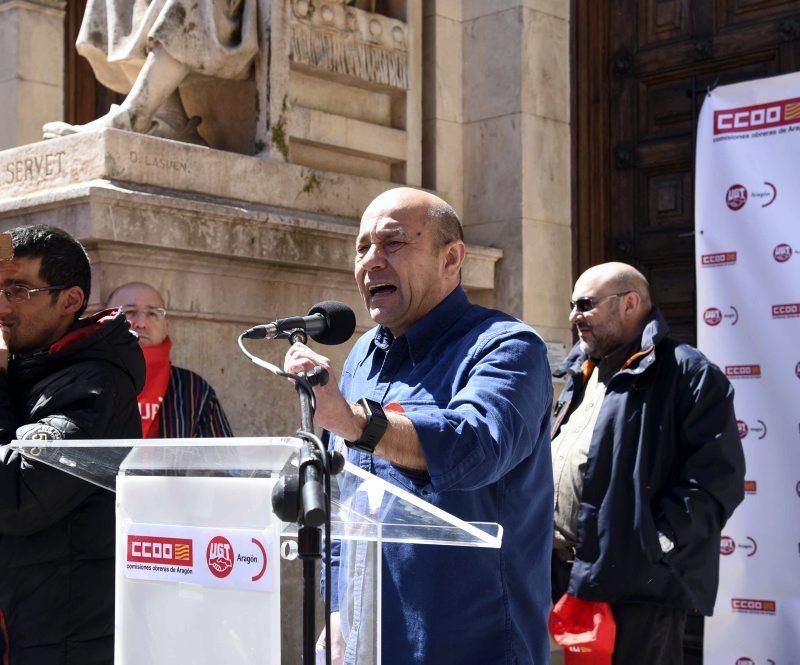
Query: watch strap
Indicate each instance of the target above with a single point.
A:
(374, 429)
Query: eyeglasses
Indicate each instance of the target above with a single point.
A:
(19, 293)
(588, 303)
(149, 313)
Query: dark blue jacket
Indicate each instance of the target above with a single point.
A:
(665, 456)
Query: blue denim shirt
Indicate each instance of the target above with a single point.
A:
(476, 385)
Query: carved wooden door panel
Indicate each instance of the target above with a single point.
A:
(641, 71)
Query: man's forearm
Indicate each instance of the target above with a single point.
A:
(399, 444)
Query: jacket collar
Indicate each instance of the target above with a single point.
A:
(654, 330)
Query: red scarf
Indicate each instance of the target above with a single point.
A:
(156, 381)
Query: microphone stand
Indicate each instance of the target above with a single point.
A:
(300, 497)
(313, 513)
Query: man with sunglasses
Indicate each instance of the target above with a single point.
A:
(647, 467)
(61, 377)
(175, 402)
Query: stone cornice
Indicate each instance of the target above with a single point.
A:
(42, 6)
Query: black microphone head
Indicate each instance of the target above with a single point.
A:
(341, 322)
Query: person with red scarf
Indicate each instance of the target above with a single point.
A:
(175, 402)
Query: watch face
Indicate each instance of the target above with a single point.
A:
(374, 408)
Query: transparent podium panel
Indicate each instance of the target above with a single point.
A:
(200, 552)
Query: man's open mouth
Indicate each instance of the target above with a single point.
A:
(377, 289)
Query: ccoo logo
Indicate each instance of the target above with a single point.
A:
(718, 259)
(753, 605)
(786, 310)
(745, 371)
(219, 556)
(160, 550)
(757, 117)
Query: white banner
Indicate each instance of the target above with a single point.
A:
(227, 558)
(747, 230)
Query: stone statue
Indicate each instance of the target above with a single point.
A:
(147, 48)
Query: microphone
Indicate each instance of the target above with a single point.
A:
(329, 322)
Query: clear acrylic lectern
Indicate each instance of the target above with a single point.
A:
(199, 548)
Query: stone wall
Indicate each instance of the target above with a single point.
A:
(31, 68)
(229, 240)
(497, 143)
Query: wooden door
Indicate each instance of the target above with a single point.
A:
(640, 72)
(84, 98)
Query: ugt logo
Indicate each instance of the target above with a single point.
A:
(219, 556)
(713, 316)
(736, 197)
(782, 252)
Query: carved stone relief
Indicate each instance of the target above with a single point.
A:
(341, 39)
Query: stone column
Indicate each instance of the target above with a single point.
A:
(442, 109)
(31, 68)
(516, 147)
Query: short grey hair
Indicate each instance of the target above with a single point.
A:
(448, 225)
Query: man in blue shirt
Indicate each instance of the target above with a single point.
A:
(468, 398)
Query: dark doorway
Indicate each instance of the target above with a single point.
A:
(84, 98)
(640, 72)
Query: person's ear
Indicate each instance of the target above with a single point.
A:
(455, 252)
(72, 300)
(631, 303)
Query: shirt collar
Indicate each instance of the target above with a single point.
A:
(427, 331)
(424, 333)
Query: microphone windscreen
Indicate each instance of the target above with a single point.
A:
(341, 322)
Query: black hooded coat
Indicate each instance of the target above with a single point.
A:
(56, 531)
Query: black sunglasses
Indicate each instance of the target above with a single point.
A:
(588, 303)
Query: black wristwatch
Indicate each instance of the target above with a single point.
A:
(375, 429)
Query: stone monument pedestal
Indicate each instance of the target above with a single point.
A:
(229, 240)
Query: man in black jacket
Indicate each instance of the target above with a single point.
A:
(61, 377)
(647, 467)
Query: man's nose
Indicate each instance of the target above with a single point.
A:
(574, 315)
(374, 258)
